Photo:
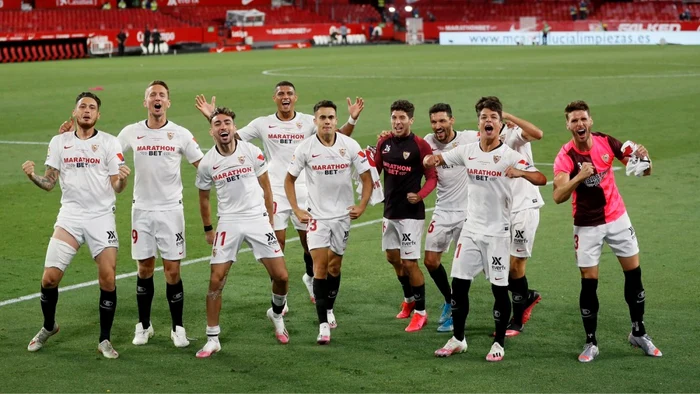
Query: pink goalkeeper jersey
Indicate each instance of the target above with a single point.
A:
(596, 200)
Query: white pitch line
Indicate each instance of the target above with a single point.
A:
(23, 142)
(198, 260)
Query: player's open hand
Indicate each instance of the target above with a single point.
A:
(641, 152)
(585, 171)
(355, 212)
(66, 126)
(200, 102)
(124, 172)
(209, 235)
(513, 173)
(302, 215)
(28, 168)
(356, 108)
(413, 198)
(384, 134)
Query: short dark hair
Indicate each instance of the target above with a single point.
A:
(441, 107)
(479, 104)
(403, 105)
(285, 83)
(89, 95)
(160, 83)
(222, 111)
(325, 104)
(578, 105)
(493, 105)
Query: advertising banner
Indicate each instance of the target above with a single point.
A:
(573, 38)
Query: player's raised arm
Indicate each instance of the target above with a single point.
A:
(200, 102)
(530, 131)
(264, 181)
(354, 110)
(46, 182)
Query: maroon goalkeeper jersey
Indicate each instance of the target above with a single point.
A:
(401, 159)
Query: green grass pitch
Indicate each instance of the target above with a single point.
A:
(649, 94)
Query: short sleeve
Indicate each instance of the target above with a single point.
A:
(260, 164)
(563, 163)
(203, 181)
(190, 147)
(359, 158)
(115, 158)
(616, 147)
(251, 131)
(123, 139)
(298, 161)
(455, 157)
(519, 162)
(53, 155)
(514, 137)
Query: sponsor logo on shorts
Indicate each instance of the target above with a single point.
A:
(271, 239)
(112, 237)
(179, 239)
(497, 265)
(407, 241)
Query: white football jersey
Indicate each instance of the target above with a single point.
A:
(235, 177)
(85, 168)
(157, 157)
(452, 180)
(525, 194)
(489, 190)
(280, 139)
(329, 174)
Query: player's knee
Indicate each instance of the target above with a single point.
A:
(107, 281)
(146, 268)
(517, 267)
(59, 254)
(281, 277)
(334, 269)
(172, 273)
(51, 278)
(431, 263)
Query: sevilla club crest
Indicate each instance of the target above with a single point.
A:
(299, 125)
(605, 157)
(241, 159)
(95, 147)
(213, 252)
(171, 135)
(496, 158)
(342, 151)
(406, 154)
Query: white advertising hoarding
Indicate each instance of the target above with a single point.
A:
(572, 38)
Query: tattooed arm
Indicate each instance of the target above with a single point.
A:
(46, 182)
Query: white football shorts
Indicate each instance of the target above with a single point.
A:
(444, 227)
(257, 233)
(523, 226)
(619, 234)
(328, 233)
(476, 253)
(98, 233)
(158, 231)
(403, 234)
(283, 211)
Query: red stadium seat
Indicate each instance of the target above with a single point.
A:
(4, 55)
(54, 51)
(61, 52)
(13, 54)
(35, 54)
(40, 52)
